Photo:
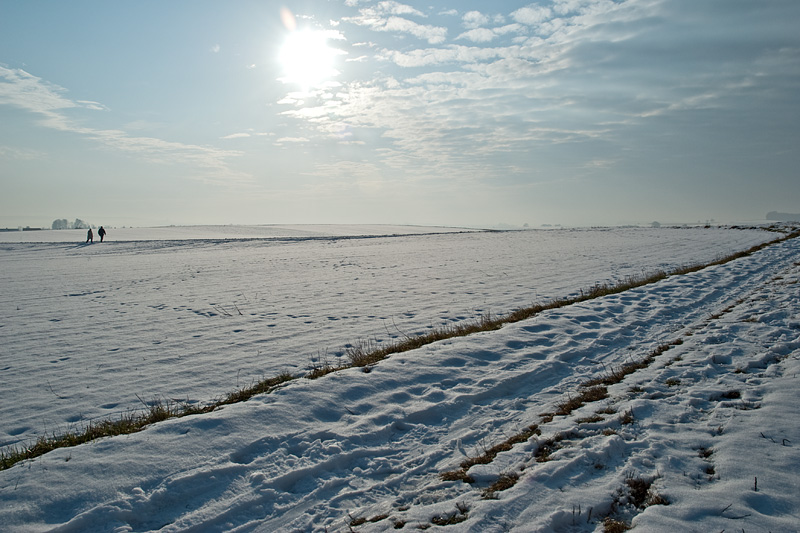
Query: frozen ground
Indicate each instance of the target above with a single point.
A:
(92, 331)
(711, 421)
(210, 233)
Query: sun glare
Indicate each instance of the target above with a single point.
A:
(306, 59)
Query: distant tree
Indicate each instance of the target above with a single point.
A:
(60, 223)
(79, 224)
(656, 224)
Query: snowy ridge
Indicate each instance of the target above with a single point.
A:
(711, 419)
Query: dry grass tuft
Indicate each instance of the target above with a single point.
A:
(488, 455)
(627, 417)
(504, 482)
(460, 515)
(589, 419)
(546, 449)
(587, 396)
(642, 494)
(610, 525)
(155, 411)
(616, 375)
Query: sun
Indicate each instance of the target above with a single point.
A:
(307, 60)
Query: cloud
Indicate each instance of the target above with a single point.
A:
(478, 35)
(291, 140)
(396, 8)
(215, 49)
(24, 91)
(236, 136)
(385, 17)
(509, 28)
(565, 7)
(432, 34)
(590, 76)
(531, 15)
(95, 106)
(423, 57)
(474, 19)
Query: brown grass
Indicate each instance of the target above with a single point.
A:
(155, 411)
(586, 396)
(504, 482)
(610, 525)
(488, 455)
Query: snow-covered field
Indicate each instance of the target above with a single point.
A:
(86, 331)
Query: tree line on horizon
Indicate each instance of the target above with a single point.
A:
(63, 223)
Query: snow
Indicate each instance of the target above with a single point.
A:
(210, 233)
(89, 330)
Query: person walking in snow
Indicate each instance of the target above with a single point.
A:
(102, 233)
(90, 236)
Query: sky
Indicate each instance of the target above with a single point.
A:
(572, 112)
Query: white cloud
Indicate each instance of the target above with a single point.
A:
(95, 106)
(385, 17)
(531, 15)
(22, 90)
(474, 19)
(336, 35)
(432, 34)
(452, 54)
(396, 8)
(236, 136)
(563, 7)
(510, 28)
(478, 35)
(291, 140)
(215, 49)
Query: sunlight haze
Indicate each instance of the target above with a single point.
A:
(573, 112)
